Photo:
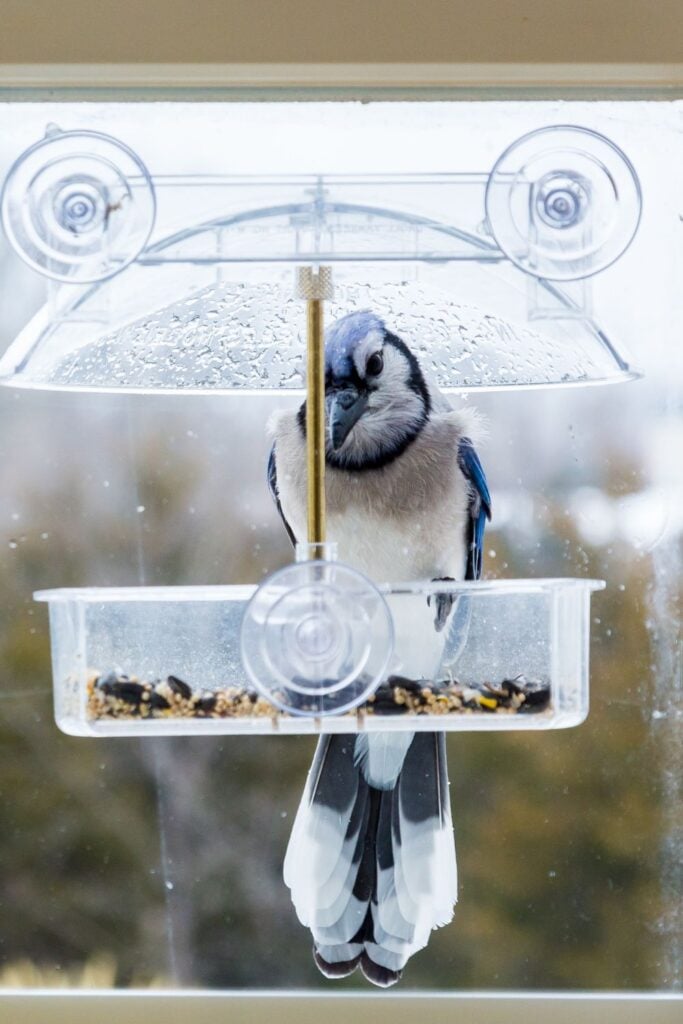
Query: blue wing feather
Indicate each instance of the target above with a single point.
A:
(272, 487)
(479, 506)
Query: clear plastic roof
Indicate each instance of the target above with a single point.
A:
(251, 337)
(186, 283)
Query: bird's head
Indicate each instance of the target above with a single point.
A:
(377, 400)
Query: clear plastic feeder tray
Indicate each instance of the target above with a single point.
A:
(114, 650)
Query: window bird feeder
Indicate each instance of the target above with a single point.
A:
(486, 275)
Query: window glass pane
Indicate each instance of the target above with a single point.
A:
(159, 861)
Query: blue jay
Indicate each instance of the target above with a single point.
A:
(371, 859)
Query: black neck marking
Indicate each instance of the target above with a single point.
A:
(416, 381)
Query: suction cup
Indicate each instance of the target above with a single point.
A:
(563, 203)
(317, 638)
(78, 206)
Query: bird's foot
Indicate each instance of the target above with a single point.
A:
(443, 603)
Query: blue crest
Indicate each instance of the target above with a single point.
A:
(343, 337)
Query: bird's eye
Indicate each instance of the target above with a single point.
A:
(375, 364)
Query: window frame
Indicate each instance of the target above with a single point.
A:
(148, 1007)
(455, 81)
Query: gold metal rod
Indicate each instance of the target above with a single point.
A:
(315, 425)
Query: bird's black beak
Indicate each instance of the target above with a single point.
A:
(344, 408)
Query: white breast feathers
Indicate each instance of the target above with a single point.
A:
(405, 521)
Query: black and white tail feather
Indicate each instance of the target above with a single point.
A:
(371, 859)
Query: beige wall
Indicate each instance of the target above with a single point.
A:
(392, 31)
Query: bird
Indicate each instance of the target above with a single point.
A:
(371, 862)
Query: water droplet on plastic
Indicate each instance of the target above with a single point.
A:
(140, 508)
(12, 544)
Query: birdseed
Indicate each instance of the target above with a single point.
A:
(119, 696)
